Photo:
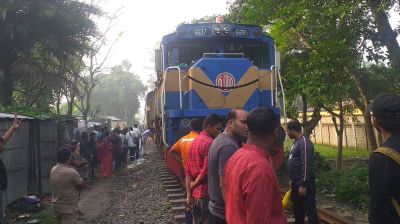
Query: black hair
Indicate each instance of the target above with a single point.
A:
(196, 124)
(294, 125)
(391, 125)
(130, 128)
(63, 154)
(135, 125)
(231, 115)
(262, 121)
(84, 135)
(281, 135)
(212, 119)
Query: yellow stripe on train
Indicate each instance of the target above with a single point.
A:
(214, 98)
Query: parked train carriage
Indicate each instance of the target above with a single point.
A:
(211, 68)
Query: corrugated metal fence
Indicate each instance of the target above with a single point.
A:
(29, 156)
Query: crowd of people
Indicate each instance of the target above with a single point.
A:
(78, 161)
(229, 176)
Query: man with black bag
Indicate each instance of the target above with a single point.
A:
(384, 162)
(3, 172)
(132, 138)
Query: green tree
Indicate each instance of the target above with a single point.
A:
(118, 93)
(322, 44)
(385, 33)
(31, 31)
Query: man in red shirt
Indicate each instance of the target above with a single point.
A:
(252, 188)
(196, 169)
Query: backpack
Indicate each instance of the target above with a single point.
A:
(396, 157)
(135, 139)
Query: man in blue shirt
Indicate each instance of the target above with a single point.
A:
(302, 175)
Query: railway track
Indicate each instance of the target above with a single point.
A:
(331, 217)
(327, 214)
(176, 197)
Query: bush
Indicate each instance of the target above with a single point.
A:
(320, 163)
(350, 187)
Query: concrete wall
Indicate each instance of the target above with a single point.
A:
(354, 134)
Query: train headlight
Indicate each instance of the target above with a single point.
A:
(217, 30)
(185, 122)
(227, 30)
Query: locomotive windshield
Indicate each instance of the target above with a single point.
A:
(186, 53)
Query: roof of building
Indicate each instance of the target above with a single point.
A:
(110, 117)
(5, 115)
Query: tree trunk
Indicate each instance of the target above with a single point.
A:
(303, 98)
(339, 128)
(339, 156)
(339, 132)
(6, 86)
(87, 108)
(386, 34)
(356, 76)
(58, 103)
(70, 105)
(311, 124)
(71, 102)
(370, 132)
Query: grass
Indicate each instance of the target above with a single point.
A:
(45, 216)
(349, 187)
(329, 152)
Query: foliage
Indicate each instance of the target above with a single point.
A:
(87, 79)
(37, 38)
(118, 94)
(211, 19)
(329, 152)
(324, 45)
(205, 19)
(350, 187)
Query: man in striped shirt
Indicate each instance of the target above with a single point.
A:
(302, 175)
(196, 169)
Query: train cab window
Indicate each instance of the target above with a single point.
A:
(186, 53)
(256, 53)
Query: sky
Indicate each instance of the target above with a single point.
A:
(145, 22)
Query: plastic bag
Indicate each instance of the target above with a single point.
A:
(286, 201)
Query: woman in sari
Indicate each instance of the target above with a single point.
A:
(104, 153)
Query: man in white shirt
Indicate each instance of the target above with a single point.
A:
(143, 141)
(132, 138)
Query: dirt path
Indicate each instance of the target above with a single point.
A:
(95, 200)
(133, 195)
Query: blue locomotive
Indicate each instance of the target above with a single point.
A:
(210, 68)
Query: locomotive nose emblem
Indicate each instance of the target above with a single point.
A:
(225, 79)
